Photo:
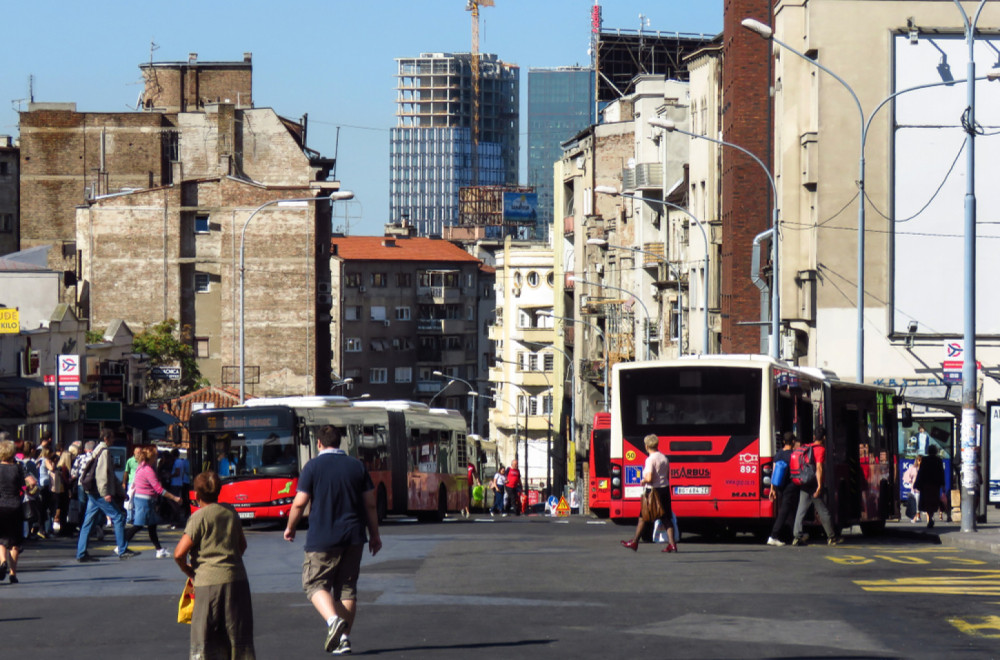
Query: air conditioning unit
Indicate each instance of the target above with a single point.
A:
(599, 268)
(386, 323)
(362, 289)
(325, 299)
(324, 287)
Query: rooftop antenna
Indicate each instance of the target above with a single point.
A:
(17, 103)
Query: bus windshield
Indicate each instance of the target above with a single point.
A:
(692, 401)
(244, 444)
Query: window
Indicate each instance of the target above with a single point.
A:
(533, 278)
(547, 404)
(201, 349)
(377, 312)
(549, 359)
(378, 345)
(4, 168)
(201, 225)
(380, 280)
(404, 280)
(352, 280)
(352, 313)
(402, 313)
(353, 345)
(404, 374)
(378, 375)
(6, 223)
(201, 282)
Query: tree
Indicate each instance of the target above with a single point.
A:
(167, 350)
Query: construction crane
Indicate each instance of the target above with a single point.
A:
(473, 6)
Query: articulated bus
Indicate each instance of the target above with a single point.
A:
(417, 456)
(718, 417)
(600, 465)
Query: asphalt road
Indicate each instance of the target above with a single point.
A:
(538, 588)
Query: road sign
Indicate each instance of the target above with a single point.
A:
(165, 373)
(69, 392)
(69, 369)
(562, 509)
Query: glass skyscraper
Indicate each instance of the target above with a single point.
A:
(560, 105)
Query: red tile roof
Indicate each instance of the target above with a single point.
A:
(381, 248)
(222, 397)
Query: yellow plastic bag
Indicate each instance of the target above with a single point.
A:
(185, 608)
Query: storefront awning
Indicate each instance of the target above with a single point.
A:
(147, 418)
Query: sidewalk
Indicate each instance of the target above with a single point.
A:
(986, 538)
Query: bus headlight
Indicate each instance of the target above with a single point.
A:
(283, 501)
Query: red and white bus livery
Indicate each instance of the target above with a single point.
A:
(717, 419)
(417, 456)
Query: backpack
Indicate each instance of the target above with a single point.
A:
(803, 466)
(779, 475)
(88, 480)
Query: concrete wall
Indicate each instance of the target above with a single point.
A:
(817, 162)
(34, 294)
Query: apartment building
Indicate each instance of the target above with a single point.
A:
(403, 308)
(9, 195)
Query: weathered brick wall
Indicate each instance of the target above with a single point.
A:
(134, 274)
(746, 121)
(61, 159)
(184, 87)
(9, 165)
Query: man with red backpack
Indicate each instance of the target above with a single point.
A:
(784, 492)
(807, 471)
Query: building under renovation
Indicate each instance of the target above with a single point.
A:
(431, 151)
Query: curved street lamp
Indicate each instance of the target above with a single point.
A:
(670, 127)
(645, 339)
(336, 195)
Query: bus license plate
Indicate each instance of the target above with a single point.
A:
(692, 490)
(246, 515)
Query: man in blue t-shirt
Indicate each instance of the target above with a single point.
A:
(343, 505)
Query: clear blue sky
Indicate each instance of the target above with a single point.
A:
(332, 59)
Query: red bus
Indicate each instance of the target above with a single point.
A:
(417, 456)
(717, 418)
(601, 476)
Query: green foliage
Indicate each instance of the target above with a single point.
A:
(166, 348)
(95, 336)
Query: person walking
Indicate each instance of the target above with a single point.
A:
(929, 482)
(813, 492)
(656, 475)
(128, 482)
(499, 492)
(146, 491)
(13, 479)
(785, 495)
(342, 496)
(512, 489)
(104, 498)
(222, 621)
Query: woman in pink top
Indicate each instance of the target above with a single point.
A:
(147, 489)
(656, 475)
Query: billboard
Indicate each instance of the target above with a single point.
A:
(520, 207)
(929, 182)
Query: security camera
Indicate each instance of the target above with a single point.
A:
(912, 328)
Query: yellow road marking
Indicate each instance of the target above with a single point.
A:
(969, 583)
(980, 626)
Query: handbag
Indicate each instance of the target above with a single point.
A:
(651, 509)
(185, 608)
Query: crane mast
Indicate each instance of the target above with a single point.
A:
(473, 6)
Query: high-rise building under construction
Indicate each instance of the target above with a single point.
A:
(431, 145)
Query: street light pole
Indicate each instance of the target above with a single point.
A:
(334, 196)
(670, 127)
(645, 339)
(572, 411)
(467, 384)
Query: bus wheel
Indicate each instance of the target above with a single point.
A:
(381, 505)
(442, 505)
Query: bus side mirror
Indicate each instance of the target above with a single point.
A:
(906, 417)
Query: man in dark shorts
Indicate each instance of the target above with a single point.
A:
(343, 505)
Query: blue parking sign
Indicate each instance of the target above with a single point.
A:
(633, 475)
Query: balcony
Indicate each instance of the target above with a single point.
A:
(439, 294)
(441, 326)
(536, 335)
(592, 371)
(653, 254)
(534, 378)
(648, 176)
(429, 386)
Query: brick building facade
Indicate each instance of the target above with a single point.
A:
(746, 198)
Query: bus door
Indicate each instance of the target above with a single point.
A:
(398, 461)
(848, 431)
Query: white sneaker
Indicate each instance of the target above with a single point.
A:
(775, 542)
(162, 553)
(116, 550)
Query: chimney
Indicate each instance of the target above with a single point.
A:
(192, 58)
(248, 57)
